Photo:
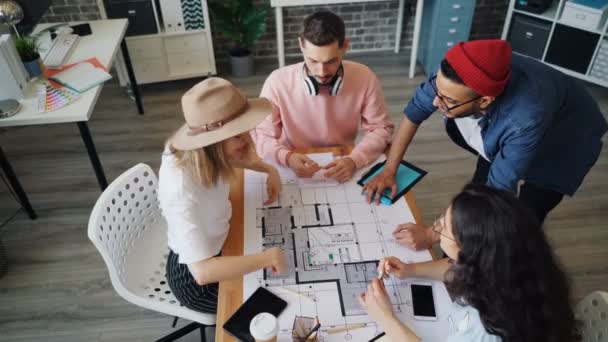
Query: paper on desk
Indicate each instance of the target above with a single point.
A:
(287, 174)
(318, 178)
(373, 226)
(321, 158)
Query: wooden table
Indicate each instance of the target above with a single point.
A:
(230, 295)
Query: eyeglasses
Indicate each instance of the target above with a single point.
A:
(439, 227)
(444, 106)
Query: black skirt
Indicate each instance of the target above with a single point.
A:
(186, 290)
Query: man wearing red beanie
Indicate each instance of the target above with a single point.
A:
(536, 131)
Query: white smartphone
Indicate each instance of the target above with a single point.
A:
(423, 301)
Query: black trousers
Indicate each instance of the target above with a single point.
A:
(540, 200)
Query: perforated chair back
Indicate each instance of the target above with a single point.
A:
(128, 230)
(592, 311)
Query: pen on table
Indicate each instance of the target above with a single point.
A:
(346, 328)
(298, 293)
(383, 272)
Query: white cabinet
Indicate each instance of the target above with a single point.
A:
(182, 48)
(165, 57)
(583, 16)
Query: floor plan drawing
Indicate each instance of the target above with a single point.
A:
(333, 241)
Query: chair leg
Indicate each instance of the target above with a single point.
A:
(203, 329)
(180, 333)
(174, 322)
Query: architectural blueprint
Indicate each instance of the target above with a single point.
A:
(332, 241)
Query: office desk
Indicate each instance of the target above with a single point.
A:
(107, 36)
(230, 295)
(278, 13)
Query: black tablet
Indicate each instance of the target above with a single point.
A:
(260, 301)
(407, 176)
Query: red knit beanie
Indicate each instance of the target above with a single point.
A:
(483, 65)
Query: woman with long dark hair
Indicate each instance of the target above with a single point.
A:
(507, 281)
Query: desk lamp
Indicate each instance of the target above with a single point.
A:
(11, 14)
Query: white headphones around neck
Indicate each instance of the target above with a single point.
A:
(333, 86)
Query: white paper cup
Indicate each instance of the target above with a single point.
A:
(264, 327)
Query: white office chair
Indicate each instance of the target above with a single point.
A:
(592, 311)
(130, 233)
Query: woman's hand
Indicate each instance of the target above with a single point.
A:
(393, 265)
(376, 302)
(276, 260)
(273, 185)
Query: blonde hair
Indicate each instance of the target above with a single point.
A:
(208, 164)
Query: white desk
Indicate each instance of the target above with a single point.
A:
(278, 8)
(106, 38)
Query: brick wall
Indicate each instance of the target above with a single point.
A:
(370, 26)
(72, 10)
(489, 19)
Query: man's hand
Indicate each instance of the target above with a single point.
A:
(302, 165)
(414, 236)
(273, 186)
(373, 189)
(341, 170)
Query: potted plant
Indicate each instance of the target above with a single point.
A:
(28, 51)
(242, 23)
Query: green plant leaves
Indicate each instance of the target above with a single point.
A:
(255, 23)
(27, 47)
(240, 21)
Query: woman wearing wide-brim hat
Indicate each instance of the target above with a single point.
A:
(194, 183)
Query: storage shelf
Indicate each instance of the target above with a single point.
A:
(598, 31)
(167, 54)
(546, 15)
(561, 34)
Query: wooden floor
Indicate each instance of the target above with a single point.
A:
(57, 287)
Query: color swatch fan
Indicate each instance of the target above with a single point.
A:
(51, 98)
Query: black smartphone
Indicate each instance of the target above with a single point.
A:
(260, 301)
(82, 29)
(423, 301)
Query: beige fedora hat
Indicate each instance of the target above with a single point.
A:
(216, 110)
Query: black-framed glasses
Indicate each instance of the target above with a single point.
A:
(439, 228)
(446, 108)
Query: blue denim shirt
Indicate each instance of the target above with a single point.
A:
(544, 128)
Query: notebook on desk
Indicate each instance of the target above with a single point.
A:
(81, 76)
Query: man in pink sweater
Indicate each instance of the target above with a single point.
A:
(321, 102)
